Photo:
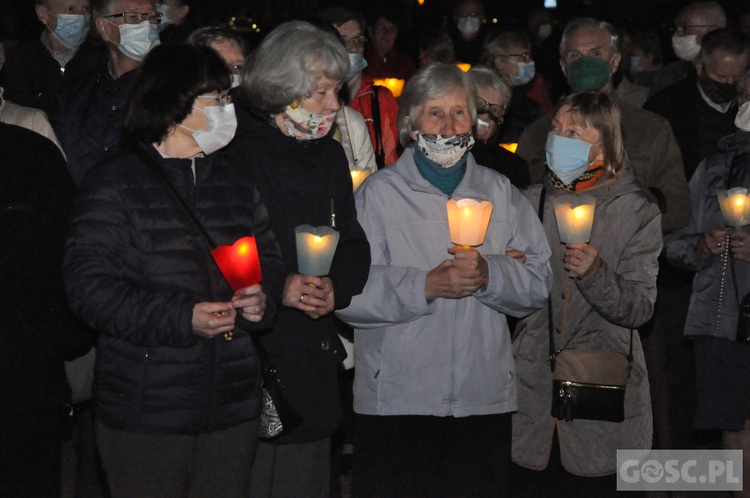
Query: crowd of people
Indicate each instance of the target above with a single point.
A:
(137, 139)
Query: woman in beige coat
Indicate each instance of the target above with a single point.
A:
(612, 294)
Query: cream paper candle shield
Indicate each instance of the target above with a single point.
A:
(315, 249)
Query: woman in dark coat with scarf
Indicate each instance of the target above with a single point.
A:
(292, 83)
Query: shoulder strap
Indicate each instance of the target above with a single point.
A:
(376, 124)
(552, 350)
(157, 171)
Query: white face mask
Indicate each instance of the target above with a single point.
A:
(742, 121)
(468, 26)
(222, 125)
(137, 40)
(686, 47)
(444, 150)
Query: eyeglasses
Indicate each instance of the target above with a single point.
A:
(682, 29)
(223, 99)
(357, 41)
(524, 57)
(137, 17)
(496, 111)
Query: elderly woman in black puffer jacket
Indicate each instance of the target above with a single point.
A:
(177, 404)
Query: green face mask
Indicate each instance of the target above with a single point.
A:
(588, 74)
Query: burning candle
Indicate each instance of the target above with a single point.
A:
(359, 173)
(395, 85)
(735, 206)
(315, 249)
(468, 220)
(239, 263)
(575, 216)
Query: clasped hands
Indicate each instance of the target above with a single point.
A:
(714, 240)
(215, 318)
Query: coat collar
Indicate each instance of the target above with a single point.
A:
(471, 185)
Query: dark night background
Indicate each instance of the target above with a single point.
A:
(628, 14)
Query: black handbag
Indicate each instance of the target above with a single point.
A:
(278, 416)
(586, 384)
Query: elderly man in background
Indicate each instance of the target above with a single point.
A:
(89, 116)
(701, 108)
(35, 72)
(690, 26)
(589, 57)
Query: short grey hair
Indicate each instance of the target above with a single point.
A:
(586, 23)
(430, 82)
(484, 77)
(289, 63)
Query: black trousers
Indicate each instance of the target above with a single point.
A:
(424, 456)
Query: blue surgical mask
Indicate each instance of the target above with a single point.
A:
(566, 157)
(526, 72)
(72, 29)
(357, 64)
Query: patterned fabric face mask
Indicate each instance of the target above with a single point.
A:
(445, 150)
(305, 125)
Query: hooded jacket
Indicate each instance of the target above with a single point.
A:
(597, 312)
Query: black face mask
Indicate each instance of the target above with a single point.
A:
(719, 93)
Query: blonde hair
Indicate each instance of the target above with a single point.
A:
(596, 110)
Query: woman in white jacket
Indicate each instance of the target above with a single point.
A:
(435, 380)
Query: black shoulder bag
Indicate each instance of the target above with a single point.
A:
(586, 384)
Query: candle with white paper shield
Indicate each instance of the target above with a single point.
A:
(315, 249)
(575, 217)
(735, 206)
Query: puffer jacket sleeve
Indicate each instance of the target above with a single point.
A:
(680, 246)
(516, 288)
(624, 295)
(98, 238)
